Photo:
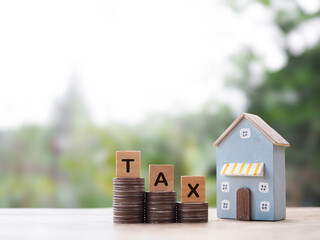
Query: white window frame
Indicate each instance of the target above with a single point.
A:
(268, 206)
(267, 187)
(222, 204)
(228, 187)
(248, 133)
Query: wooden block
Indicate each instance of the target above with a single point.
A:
(161, 178)
(128, 164)
(243, 204)
(193, 189)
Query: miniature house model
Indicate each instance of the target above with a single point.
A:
(251, 171)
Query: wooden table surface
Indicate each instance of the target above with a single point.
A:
(96, 224)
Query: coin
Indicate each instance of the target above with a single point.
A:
(192, 212)
(128, 200)
(160, 207)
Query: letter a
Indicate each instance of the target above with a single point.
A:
(164, 180)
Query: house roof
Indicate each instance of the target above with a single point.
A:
(261, 125)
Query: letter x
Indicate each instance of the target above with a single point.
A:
(193, 190)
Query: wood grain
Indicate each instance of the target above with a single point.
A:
(243, 204)
(193, 189)
(128, 164)
(161, 178)
(83, 224)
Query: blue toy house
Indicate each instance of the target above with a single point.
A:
(251, 171)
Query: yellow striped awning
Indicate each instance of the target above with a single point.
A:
(242, 169)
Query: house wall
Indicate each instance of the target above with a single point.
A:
(279, 182)
(234, 149)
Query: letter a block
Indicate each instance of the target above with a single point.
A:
(161, 178)
(128, 164)
(193, 189)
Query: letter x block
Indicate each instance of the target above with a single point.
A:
(193, 189)
(128, 164)
(161, 178)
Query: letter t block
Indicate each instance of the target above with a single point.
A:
(193, 189)
(128, 164)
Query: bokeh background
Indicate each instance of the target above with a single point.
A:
(82, 79)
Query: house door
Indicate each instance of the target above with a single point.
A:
(243, 204)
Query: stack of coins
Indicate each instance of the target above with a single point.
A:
(160, 207)
(192, 212)
(128, 200)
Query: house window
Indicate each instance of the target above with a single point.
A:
(225, 205)
(245, 133)
(263, 187)
(224, 187)
(264, 206)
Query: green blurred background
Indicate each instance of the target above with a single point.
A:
(70, 162)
